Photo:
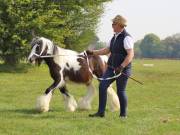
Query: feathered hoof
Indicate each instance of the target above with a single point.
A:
(84, 104)
(112, 100)
(70, 104)
(42, 104)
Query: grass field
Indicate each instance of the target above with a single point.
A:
(153, 109)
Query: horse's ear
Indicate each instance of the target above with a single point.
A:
(33, 33)
(35, 40)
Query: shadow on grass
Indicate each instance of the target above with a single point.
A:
(20, 68)
(20, 111)
(29, 111)
(25, 111)
(51, 114)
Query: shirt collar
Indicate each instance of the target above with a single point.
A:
(117, 34)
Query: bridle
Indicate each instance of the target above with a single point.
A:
(48, 55)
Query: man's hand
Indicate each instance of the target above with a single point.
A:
(89, 52)
(119, 69)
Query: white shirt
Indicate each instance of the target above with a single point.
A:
(128, 42)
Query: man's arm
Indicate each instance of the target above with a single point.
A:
(129, 57)
(102, 51)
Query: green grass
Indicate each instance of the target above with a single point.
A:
(153, 109)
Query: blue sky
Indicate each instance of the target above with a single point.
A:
(161, 17)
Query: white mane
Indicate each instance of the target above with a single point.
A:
(64, 55)
(49, 44)
(68, 56)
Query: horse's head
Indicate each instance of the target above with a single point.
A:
(40, 47)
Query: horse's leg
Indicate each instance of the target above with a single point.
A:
(69, 101)
(85, 102)
(43, 101)
(112, 99)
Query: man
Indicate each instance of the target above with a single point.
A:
(121, 54)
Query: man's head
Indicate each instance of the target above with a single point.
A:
(118, 23)
(120, 20)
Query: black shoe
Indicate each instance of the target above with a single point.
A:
(96, 115)
(123, 117)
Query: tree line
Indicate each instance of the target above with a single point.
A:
(151, 46)
(69, 23)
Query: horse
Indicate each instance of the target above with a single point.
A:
(69, 66)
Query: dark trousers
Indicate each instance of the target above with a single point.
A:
(121, 83)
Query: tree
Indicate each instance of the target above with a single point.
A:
(66, 22)
(172, 46)
(82, 22)
(18, 19)
(150, 46)
(137, 50)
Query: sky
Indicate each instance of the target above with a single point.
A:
(161, 17)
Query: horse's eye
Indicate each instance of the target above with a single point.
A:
(38, 49)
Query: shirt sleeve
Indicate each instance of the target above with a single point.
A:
(128, 42)
(108, 44)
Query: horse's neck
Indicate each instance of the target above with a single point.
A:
(65, 52)
(61, 56)
(50, 62)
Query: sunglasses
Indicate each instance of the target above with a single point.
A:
(114, 24)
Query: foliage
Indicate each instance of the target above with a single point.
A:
(153, 109)
(97, 44)
(149, 45)
(152, 47)
(137, 49)
(172, 46)
(100, 45)
(63, 21)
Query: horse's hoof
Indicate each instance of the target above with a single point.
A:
(84, 105)
(42, 104)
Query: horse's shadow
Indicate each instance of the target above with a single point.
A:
(32, 113)
(29, 111)
(20, 111)
(51, 114)
(25, 111)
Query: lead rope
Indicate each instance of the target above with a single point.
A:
(94, 76)
(51, 56)
(109, 78)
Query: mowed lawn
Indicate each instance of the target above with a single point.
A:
(153, 109)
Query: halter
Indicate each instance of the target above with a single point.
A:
(48, 56)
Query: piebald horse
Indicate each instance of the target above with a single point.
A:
(67, 65)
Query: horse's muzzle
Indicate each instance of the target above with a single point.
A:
(32, 59)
